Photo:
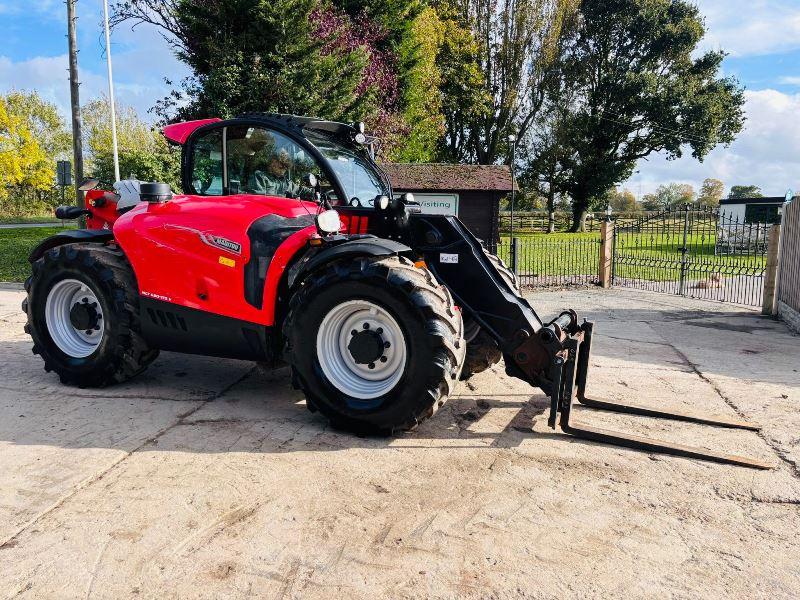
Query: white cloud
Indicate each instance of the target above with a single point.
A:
(766, 153)
(790, 80)
(751, 27)
(141, 61)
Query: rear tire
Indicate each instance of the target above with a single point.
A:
(482, 350)
(109, 351)
(357, 298)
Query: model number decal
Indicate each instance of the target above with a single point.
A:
(156, 296)
(448, 258)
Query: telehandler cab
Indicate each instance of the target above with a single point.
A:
(289, 245)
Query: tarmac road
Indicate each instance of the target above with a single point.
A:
(207, 479)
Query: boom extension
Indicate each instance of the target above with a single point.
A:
(553, 356)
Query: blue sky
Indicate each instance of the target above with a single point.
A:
(762, 38)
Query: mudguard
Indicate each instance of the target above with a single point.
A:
(71, 236)
(367, 245)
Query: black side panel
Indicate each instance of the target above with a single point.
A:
(171, 327)
(266, 234)
(458, 260)
(362, 246)
(96, 236)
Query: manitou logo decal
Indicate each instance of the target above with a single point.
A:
(212, 240)
(225, 244)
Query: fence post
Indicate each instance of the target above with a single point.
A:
(606, 253)
(515, 255)
(683, 250)
(771, 272)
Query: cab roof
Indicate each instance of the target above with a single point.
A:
(180, 132)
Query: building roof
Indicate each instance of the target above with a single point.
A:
(767, 200)
(448, 177)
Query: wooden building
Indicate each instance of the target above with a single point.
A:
(472, 192)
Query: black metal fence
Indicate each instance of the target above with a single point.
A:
(700, 253)
(529, 222)
(556, 260)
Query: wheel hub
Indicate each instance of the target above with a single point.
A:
(83, 316)
(361, 349)
(366, 346)
(74, 318)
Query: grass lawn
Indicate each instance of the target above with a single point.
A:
(41, 219)
(15, 245)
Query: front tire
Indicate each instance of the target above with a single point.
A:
(83, 315)
(376, 344)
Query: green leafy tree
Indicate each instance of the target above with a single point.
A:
(638, 86)
(669, 196)
(162, 165)
(621, 201)
(256, 55)
(422, 104)
(710, 192)
(745, 191)
(514, 47)
(44, 121)
(32, 138)
(144, 153)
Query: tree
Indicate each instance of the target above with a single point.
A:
(637, 88)
(622, 201)
(669, 196)
(513, 48)
(422, 104)
(259, 55)
(745, 191)
(44, 121)
(28, 152)
(710, 192)
(144, 153)
(132, 132)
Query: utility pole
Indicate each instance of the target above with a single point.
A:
(75, 100)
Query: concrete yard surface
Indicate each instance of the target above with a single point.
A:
(207, 478)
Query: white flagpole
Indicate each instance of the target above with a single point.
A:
(111, 93)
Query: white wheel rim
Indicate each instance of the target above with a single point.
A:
(355, 379)
(73, 342)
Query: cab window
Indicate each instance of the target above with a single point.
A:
(261, 161)
(207, 171)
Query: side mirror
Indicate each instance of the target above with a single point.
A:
(70, 212)
(89, 184)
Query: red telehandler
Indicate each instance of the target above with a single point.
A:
(289, 245)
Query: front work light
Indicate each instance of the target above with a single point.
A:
(329, 222)
(382, 202)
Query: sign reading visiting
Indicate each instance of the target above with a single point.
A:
(438, 204)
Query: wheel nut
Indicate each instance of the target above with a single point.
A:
(371, 365)
(366, 325)
(89, 332)
(387, 345)
(379, 330)
(384, 359)
(353, 332)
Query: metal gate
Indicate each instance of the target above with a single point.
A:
(699, 253)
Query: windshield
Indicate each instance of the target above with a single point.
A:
(361, 181)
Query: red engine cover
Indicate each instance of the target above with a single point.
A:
(192, 250)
